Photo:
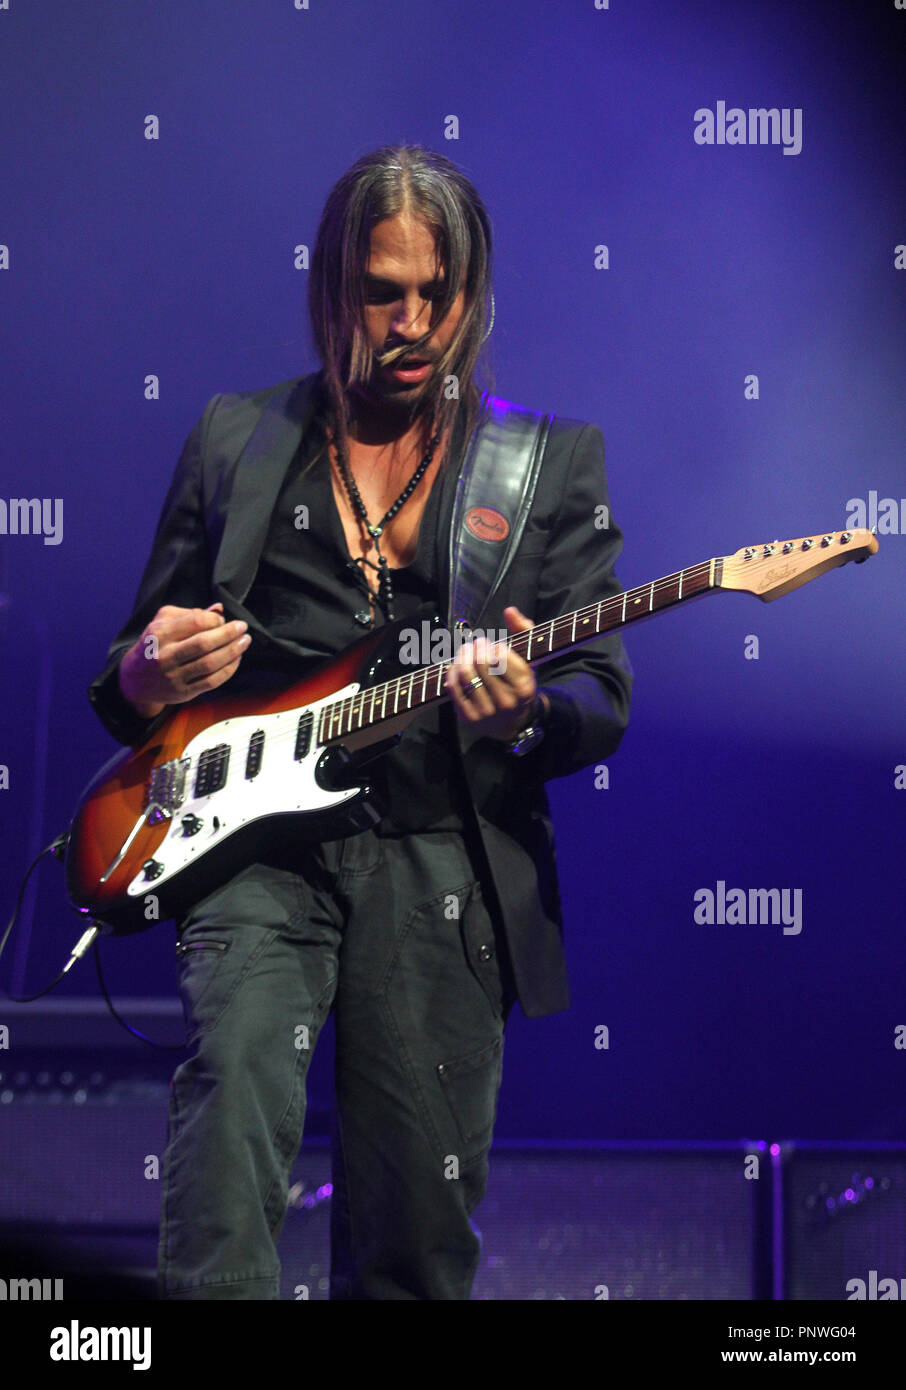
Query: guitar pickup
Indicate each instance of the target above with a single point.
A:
(303, 735)
(254, 755)
(212, 769)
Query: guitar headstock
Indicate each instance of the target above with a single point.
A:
(777, 567)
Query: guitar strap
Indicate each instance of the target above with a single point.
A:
(494, 495)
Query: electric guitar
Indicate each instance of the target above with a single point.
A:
(180, 814)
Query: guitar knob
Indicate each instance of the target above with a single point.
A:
(153, 869)
(191, 824)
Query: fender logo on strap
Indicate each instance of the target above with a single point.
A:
(487, 524)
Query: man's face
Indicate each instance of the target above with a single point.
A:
(403, 286)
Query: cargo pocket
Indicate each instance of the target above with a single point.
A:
(200, 957)
(483, 954)
(470, 1085)
(183, 947)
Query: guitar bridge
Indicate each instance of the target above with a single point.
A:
(166, 790)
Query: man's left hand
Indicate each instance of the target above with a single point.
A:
(500, 706)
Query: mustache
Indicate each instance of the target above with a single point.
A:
(400, 356)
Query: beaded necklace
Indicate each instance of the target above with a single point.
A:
(385, 585)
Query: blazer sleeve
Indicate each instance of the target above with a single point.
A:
(590, 687)
(178, 572)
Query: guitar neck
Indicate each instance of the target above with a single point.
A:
(424, 685)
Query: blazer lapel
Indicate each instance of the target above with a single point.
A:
(256, 482)
(449, 484)
(258, 476)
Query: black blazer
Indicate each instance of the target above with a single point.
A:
(208, 542)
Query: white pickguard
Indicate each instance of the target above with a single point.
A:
(282, 786)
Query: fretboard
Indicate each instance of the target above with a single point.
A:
(424, 685)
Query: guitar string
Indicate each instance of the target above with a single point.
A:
(430, 674)
(345, 705)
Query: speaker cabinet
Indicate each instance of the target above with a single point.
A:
(844, 1222)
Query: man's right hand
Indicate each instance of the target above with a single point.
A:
(182, 653)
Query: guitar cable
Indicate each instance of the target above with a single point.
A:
(57, 848)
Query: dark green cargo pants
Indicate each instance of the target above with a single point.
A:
(394, 935)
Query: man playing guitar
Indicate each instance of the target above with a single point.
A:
(420, 931)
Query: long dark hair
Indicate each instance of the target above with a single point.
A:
(394, 179)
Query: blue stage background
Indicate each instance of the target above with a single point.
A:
(174, 257)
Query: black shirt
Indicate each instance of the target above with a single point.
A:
(308, 589)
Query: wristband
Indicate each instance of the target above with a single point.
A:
(530, 736)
